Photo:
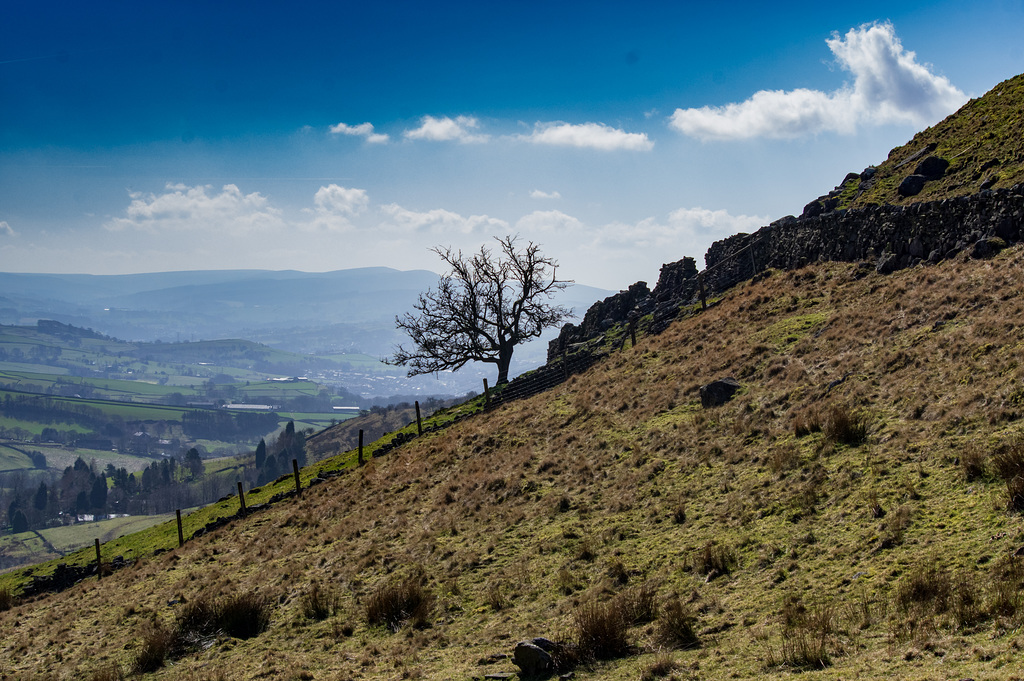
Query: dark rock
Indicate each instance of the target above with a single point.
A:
(987, 247)
(544, 644)
(1008, 230)
(911, 185)
(812, 209)
(916, 249)
(886, 264)
(718, 392)
(932, 167)
(532, 659)
(989, 182)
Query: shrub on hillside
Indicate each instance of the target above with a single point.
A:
(244, 615)
(398, 601)
(841, 425)
(318, 603)
(675, 625)
(157, 642)
(1008, 462)
(601, 630)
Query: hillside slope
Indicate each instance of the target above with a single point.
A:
(844, 512)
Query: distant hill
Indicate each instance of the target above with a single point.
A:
(322, 313)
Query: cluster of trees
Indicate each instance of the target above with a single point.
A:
(290, 445)
(206, 424)
(51, 499)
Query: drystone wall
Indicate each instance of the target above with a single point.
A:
(891, 237)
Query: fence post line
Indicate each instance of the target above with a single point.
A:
(99, 563)
(419, 422)
(181, 536)
(360, 446)
(487, 396)
(241, 499)
(298, 485)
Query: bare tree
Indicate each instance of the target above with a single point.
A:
(485, 306)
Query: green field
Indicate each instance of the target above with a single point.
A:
(27, 548)
(12, 460)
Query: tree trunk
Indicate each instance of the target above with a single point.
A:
(504, 360)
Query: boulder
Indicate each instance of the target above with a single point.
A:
(886, 263)
(987, 247)
(812, 209)
(718, 392)
(532, 659)
(911, 185)
(931, 167)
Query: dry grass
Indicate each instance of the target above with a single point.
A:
(400, 600)
(601, 630)
(319, 603)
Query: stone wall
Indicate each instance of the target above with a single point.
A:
(891, 237)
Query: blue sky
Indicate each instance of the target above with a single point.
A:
(317, 136)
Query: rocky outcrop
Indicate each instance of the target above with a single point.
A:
(889, 237)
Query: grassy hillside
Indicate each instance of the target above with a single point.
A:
(847, 512)
(983, 143)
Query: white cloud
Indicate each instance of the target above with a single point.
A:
(541, 221)
(439, 221)
(447, 129)
(538, 194)
(362, 130)
(682, 232)
(889, 86)
(199, 208)
(588, 136)
(6, 228)
(335, 206)
(340, 200)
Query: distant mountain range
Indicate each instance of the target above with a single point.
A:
(308, 312)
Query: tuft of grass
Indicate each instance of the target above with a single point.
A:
(929, 588)
(318, 603)
(713, 560)
(244, 615)
(1008, 462)
(843, 426)
(601, 630)
(398, 601)
(663, 665)
(639, 604)
(157, 642)
(6, 598)
(972, 462)
(676, 625)
(808, 634)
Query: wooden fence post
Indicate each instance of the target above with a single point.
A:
(99, 563)
(419, 422)
(753, 263)
(360, 447)
(181, 536)
(487, 396)
(298, 485)
(241, 499)
(703, 295)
